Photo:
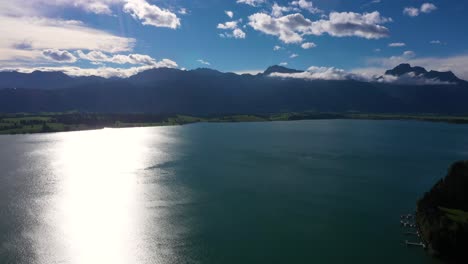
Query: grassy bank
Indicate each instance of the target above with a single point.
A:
(24, 123)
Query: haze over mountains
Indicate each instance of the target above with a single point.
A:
(404, 89)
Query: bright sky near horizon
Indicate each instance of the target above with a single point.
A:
(123, 37)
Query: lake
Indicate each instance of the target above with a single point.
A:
(318, 191)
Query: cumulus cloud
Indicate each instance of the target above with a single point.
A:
(435, 42)
(60, 56)
(251, 2)
(397, 44)
(277, 10)
(428, 8)
(287, 28)
(236, 31)
(425, 8)
(228, 25)
(411, 11)
(346, 24)
(151, 14)
(276, 48)
(229, 14)
(283, 64)
(203, 62)
(291, 28)
(294, 55)
(308, 45)
(306, 5)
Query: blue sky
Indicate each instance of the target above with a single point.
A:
(122, 37)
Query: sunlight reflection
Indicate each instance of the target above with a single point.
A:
(100, 202)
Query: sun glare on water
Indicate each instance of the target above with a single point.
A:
(99, 198)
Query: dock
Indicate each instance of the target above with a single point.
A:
(409, 221)
(420, 244)
(412, 234)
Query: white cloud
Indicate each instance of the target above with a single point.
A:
(410, 79)
(252, 72)
(306, 5)
(40, 7)
(100, 57)
(397, 44)
(411, 11)
(366, 25)
(151, 14)
(409, 54)
(97, 7)
(287, 28)
(435, 42)
(60, 56)
(294, 55)
(183, 11)
(251, 2)
(203, 62)
(308, 45)
(276, 48)
(428, 8)
(238, 33)
(24, 38)
(283, 64)
(229, 14)
(291, 28)
(425, 8)
(364, 75)
(371, 3)
(277, 10)
(228, 25)
(321, 73)
(106, 72)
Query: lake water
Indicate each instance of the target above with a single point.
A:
(328, 191)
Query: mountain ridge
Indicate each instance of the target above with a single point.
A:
(405, 68)
(206, 91)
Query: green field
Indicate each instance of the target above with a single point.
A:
(456, 215)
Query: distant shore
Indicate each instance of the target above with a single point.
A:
(26, 123)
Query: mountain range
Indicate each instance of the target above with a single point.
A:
(206, 91)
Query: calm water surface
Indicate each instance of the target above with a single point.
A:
(283, 192)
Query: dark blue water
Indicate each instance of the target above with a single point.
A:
(327, 191)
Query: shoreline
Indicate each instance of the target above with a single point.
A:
(13, 124)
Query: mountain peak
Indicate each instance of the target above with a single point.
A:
(279, 69)
(405, 68)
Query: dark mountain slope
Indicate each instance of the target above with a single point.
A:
(43, 80)
(206, 91)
